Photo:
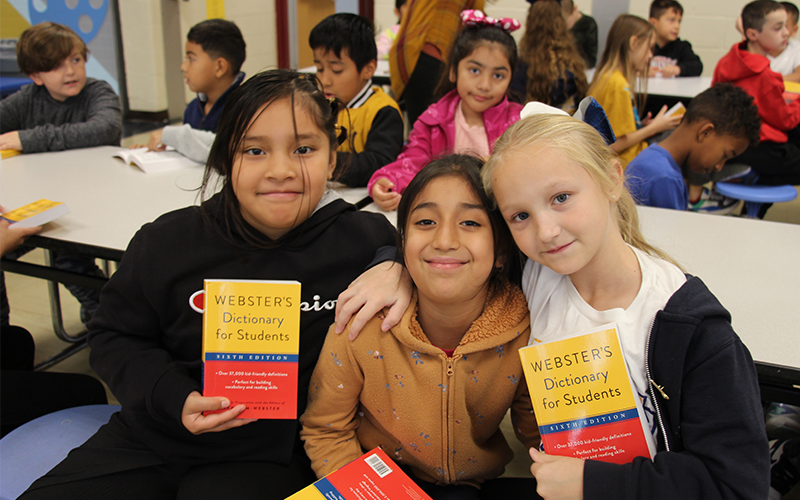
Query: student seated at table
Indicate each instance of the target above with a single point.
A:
(777, 158)
(62, 109)
(271, 219)
(346, 56)
(615, 86)
(786, 61)
(215, 52)
(719, 124)
(435, 388)
(671, 55)
(24, 393)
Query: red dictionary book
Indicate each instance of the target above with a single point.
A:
(373, 475)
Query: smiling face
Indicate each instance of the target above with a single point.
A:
(198, 68)
(482, 79)
(67, 80)
(557, 214)
(278, 178)
(668, 26)
(712, 150)
(449, 246)
(339, 75)
(774, 35)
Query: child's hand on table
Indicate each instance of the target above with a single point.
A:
(557, 478)
(10, 140)
(383, 195)
(153, 144)
(195, 422)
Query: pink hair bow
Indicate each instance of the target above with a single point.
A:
(472, 17)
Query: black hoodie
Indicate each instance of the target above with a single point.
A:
(716, 444)
(145, 338)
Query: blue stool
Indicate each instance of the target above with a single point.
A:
(755, 195)
(30, 451)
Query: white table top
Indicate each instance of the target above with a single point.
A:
(108, 200)
(752, 266)
(688, 86)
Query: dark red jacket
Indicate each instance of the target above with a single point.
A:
(751, 72)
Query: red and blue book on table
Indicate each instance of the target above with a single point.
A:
(251, 342)
(372, 475)
(583, 397)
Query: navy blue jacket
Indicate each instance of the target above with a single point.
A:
(712, 443)
(195, 114)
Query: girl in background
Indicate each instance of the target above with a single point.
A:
(617, 86)
(273, 220)
(435, 389)
(550, 68)
(473, 113)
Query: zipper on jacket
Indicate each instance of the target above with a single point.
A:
(447, 468)
(655, 386)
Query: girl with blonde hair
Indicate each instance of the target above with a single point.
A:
(620, 86)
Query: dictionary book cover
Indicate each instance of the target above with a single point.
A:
(584, 399)
(251, 341)
(373, 475)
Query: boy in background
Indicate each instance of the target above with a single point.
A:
(584, 29)
(777, 158)
(215, 52)
(345, 55)
(787, 61)
(671, 55)
(62, 109)
(719, 124)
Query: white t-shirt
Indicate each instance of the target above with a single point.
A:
(558, 312)
(788, 60)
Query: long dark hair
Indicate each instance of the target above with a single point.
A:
(244, 105)
(468, 168)
(467, 40)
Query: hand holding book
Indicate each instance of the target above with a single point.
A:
(196, 422)
(556, 476)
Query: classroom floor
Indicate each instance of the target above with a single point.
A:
(30, 309)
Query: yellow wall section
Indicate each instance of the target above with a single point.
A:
(11, 23)
(215, 9)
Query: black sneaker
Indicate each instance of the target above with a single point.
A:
(784, 466)
(713, 203)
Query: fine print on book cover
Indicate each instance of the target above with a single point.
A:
(373, 475)
(584, 399)
(251, 341)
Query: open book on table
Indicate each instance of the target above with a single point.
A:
(155, 161)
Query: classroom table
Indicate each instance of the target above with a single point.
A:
(108, 201)
(677, 88)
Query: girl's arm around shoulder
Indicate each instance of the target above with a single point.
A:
(330, 422)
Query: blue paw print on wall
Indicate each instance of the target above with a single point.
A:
(84, 16)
